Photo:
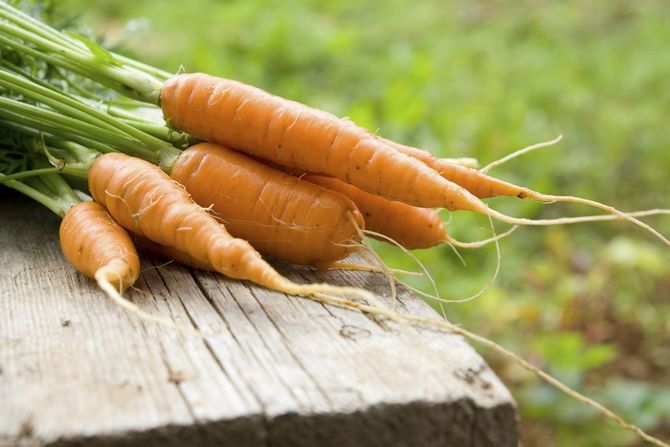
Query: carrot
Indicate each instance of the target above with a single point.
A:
(292, 134)
(479, 184)
(98, 247)
(146, 201)
(410, 226)
(246, 118)
(277, 213)
(90, 239)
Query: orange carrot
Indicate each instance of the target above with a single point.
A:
(102, 250)
(146, 201)
(410, 226)
(90, 239)
(407, 225)
(98, 247)
(479, 184)
(277, 213)
(246, 118)
(292, 134)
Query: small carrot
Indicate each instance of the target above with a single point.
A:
(90, 239)
(98, 247)
(277, 213)
(146, 201)
(410, 226)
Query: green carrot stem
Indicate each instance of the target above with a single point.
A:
(20, 18)
(28, 22)
(49, 121)
(76, 109)
(162, 75)
(59, 186)
(69, 124)
(40, 129)
(58, 205)
(24, 174)
(110, 73)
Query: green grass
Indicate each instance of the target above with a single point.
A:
(589, 303)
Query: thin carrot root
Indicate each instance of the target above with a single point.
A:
(518, 153)
(495, 239)
(436, 296)
(106, 276)
(530, 194)
(601, 409)
(478, 244)
(342, 265)
(609, 217)
(565, 220)
(292, 288)
(450, 327)
(389, 276)
(410, 255)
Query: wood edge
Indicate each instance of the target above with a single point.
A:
(417, 424)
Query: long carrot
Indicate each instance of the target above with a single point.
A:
(146, 201)
(248, 119)
(277, 213)
(289, 133)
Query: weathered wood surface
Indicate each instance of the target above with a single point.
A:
(279, 371)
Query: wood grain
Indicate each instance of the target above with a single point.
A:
(276, 371)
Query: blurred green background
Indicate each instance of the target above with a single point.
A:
(589, 303)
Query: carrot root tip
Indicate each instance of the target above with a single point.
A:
(107, 276)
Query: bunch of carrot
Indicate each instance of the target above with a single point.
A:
(237, 172)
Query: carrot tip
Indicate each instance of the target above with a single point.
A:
(108, 275)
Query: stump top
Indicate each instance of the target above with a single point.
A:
(280, 371)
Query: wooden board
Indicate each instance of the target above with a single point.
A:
(278, 371)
